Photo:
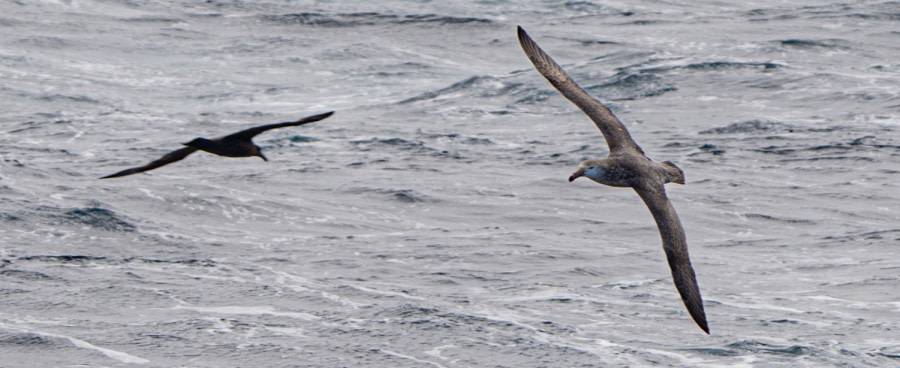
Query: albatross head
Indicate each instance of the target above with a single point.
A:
(593, 169)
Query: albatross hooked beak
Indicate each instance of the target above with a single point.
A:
(577, 174)
(257, 151)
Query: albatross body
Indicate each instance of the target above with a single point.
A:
(238, 144)
(627, 166)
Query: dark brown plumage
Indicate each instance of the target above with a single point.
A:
(238, 144)
(627, 166)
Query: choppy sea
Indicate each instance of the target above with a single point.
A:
(429, 223)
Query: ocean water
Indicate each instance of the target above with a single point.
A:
(429, 223)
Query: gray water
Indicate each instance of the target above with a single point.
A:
(429, 223)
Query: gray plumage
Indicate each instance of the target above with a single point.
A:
(627, 166)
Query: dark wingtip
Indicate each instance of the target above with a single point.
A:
(318, 117)
(322, 115)
(116, 175)
(701, 322)
(699, 317)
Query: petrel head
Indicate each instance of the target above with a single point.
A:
(593, 169)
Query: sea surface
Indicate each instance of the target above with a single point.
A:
(429, 222)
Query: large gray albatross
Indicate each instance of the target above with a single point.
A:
(238, 144)
(627, 166)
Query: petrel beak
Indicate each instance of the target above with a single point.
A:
(577, 174)
(263, 157)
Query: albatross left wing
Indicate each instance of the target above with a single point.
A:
(675, 245)
(252, 132)
(617, 137)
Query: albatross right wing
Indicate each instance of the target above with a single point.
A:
(675, 245)
(617, 137)
(169, 158)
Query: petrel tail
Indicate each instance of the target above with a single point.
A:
(673, 173)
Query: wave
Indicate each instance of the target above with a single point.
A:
(458, 138)
(45, 41)
(629, 83)
(26, 275)
(761, 347)
(154, 19)
(889, 234)
(813, 44)
(61, 259)
(369, 19)
(716, 65)
(373, 144)
(633, 82)
(869, 11)
(95, 217)
(862, 144)
(400, 195)
(486, 86)
(760, 216)
(622, 86)
(88, 259)
(631, 86)
(29, 340)
(751, 126)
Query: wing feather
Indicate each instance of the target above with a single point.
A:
(176, 155)
(675, 245)
(252, 132)
(615, 133)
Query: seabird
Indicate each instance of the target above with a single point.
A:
(238, 144)
(627, 166)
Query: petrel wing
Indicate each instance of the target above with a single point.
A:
(169, 158)
(675, 245)
(252, 132)
(617, 137)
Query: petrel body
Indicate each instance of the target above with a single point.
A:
(627, 166)
(238, 144)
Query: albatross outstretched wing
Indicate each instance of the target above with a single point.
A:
(617, 137)
(252, 132)
(675, 245)
(169, 158)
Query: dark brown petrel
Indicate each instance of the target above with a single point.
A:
(238, 144)
(627, 166)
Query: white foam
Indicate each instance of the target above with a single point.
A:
(384, 292)
(437, 350)
(113, 354)
(293, 332)
(250, 310)
(150, 194)
(410, 358)
(762, 306)
(292, 282)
